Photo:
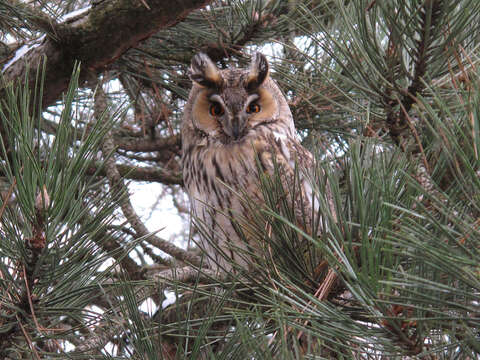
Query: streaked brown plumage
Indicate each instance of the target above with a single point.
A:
(231, 117)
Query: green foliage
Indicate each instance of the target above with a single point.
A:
(402, 239)
(51, 239)
(385, 93)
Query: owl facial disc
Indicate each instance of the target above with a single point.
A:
(229, 103)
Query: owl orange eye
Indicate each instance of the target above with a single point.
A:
(253, 108)
(216, 109)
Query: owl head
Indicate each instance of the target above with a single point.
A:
(228, 106)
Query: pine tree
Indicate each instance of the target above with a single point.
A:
(384, 92)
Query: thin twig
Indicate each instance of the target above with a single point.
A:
(29, 341)
(116, 183)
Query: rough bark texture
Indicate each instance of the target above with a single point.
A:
(97, 39)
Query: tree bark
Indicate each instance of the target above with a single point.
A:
(96, 39)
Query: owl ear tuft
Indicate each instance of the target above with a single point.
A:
(258, 72)
(204, 72)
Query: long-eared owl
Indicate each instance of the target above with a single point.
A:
(236, 123)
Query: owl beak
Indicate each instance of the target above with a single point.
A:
(236, 127)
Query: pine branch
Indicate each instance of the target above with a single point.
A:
(103, 332)
(147, 145)
(37, 18)
(132, 142)
(127, 22)
(430, 17)
(221, 50)
(112, 247)
(141, 174)
(188, 274)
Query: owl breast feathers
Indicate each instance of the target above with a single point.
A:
(236, 124)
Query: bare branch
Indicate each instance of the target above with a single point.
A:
(116, 182)
(109, 244)
(149, 145)
(188, 274)
(142, 174)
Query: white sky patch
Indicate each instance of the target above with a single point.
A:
(94, 309)
(110, 349)
(148, 306)
(170, 298)
(144, 197)
(106, 264)
(67, 346)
